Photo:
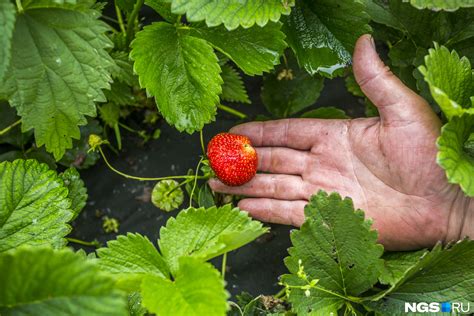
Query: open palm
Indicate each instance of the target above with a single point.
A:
(387, 165)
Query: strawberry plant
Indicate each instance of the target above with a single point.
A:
(84, 81)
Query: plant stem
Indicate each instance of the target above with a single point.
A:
(8, 128)
(132, 18)
(231, 111)
(195, 182)
(224, 265)
(119, 18)
(145, 179)
(93, 243)
(179, 185)
(19, 6)
(280, 294)
(202, 143)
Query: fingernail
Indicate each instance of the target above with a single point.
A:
(372, 42)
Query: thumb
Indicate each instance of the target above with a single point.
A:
(394, 100)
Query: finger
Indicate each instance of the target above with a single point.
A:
(294, 133)
(395, 101)
(274, 186)
(275, 211)
(282, 160)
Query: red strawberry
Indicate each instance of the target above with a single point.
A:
(232, 158)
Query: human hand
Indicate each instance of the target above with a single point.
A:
(387, 165)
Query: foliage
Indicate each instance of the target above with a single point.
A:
(42, 281)
(35, 205)
(335, 263)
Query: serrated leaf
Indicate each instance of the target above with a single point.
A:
(40, 281)
(232, 13)
(323, 33)
(447, 5)
(122, 70)
(14, 136)
(379, 12)
(83, 5)
(452, 157)
(163, 8)
(77, 190)
(34, 207)
(197, 289)
(7, 24)
(254, 50)
(328, 112)
(135, 306)
(120, 94)
(59, 69)
(233, 89)
(185, 78)
(206, 233)
(110, 114)
(397, 263)
(441, 275)
(130, 258)
(451, 81)
(337, 247)
(290, 89)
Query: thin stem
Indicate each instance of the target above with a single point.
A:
(119, 18)
(93, 243)
(8, 128)
(224, 265)
(202, 143)
(280, 294)
(19, 6)
(179, 185)
(141, 178)
(195, 182)
(132, 18)
(128, 128)
(231, 111)
(237, 306)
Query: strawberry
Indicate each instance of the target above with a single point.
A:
(232, 158)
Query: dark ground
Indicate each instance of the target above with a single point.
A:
(254, 268)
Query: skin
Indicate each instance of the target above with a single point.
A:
(387, 165)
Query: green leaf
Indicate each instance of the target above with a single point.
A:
(379, 12)
(83, 5)
(7, 18)
(397, 263)
(290, 89)
(197, 289)
(451, 81)
(185, 79)
(167, 195)
(336, 246)
(135, 307)
(8, 117)
(125, 5)
(59, 69)
(253, 50)
(77, 190)
(40, 281)
(163, 9)
(34, 207)
(447, 5)
(205, 197)
(110, 114)
(130, 258)
(452, 157)
(233, 89)
(232, 13)
(206, 233)
(441, 275)
(353, 87)
(323, 33)
(328, 112)
(120, 94)
(122, 70)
